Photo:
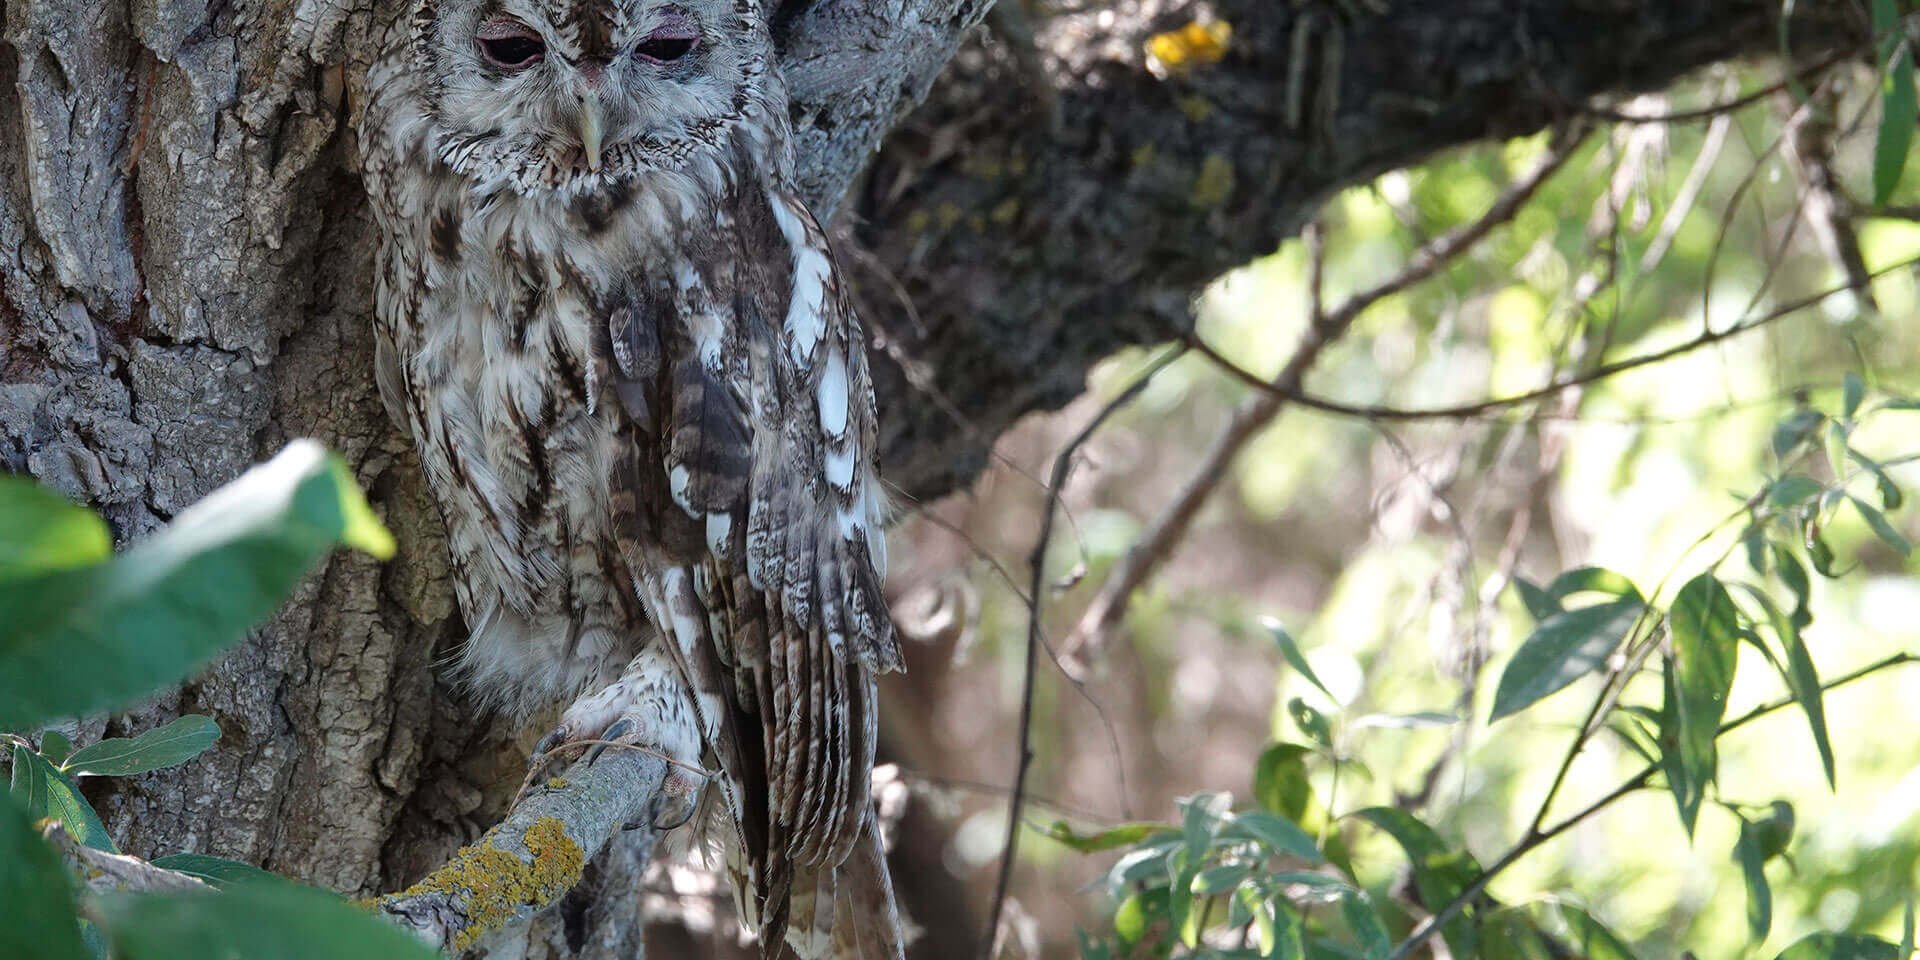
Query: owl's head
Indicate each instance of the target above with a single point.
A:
(553, 93)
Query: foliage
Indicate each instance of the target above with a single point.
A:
(1275, 879)
(90, 631)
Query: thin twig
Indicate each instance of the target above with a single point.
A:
(1537, 836)
(1062, 466)
(1715, 110)
(1481, 408)
(1324, 328)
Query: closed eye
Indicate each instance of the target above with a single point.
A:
(666, 49)
(510, 46)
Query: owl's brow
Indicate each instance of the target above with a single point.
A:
(584, 28)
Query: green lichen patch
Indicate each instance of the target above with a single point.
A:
(557, 783)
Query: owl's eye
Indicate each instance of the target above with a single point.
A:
(671, 40)
(510, 46)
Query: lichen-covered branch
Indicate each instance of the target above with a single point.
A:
(532, 858)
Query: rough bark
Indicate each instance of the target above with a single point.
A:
(184, 285)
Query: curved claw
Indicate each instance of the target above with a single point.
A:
(687, 806)
(618, 729)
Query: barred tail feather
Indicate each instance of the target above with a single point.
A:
(848, 912)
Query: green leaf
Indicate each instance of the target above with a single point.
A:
(1130, 921)
(1290, 651)
(1140, 866)
(1794, 431)
(1215, 881)
(1369, 934)
(1570, 927)
(1539, 603)
(1890, 495)
(214, 870)
(177, 742)
(1311, 722)
(1587, 935)
(1124, 835)
(1277, 834)
(1752, 860)
(42, 532)
(1263, 928)
(44, 792)
(1899, 108)
(1425, 720)
(1852, 391)
(1591, 580)
(1882, 528)
(36, 894)
(1440, 873)
(154, 615)
(1091, 949)
(1840, 946)
(1773, 830)
(55, 746)
(1564, 648)
(264, 921)
(1906, 931)
(1793, 490)
(1706, 637)
(1795, 577)
(1802, 680)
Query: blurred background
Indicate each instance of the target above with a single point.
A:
(1387, 546)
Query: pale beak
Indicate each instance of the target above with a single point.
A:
(591, 133)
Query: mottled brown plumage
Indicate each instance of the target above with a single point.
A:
(641, 395)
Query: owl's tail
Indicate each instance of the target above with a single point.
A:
(847, 912)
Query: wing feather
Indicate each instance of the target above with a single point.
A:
(749, 491)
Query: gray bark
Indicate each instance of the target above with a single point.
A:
(184, 285)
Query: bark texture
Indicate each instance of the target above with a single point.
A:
(184, 286)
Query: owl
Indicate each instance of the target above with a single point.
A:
(640, 394)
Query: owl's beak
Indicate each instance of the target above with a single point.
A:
(591, 133)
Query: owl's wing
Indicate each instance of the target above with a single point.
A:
(748, 490)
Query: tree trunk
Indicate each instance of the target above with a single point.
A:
(188, 287)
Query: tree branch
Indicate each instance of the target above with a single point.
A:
(533, 856)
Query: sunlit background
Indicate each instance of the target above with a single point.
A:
(1387, 548)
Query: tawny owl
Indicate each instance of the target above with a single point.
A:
(637, 384)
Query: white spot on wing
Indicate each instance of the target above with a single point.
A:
(806, 321)
(719, 526)
(839, 462)
(678, 480)
(833, 395)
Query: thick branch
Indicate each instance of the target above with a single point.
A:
(1031, 251)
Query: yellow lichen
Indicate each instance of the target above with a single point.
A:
(557, 783)
(949, 214)
(918, 221)
(492, 885)
(1194, 45)
(1215, 183)
(1006, 212)
(1144, 154)
(1197, 109)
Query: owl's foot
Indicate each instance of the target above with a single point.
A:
(636, 713)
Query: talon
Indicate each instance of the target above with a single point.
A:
(620, 728)
(685, 813)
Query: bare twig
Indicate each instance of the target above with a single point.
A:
(1323, 329)
(1481, 408)
(1537, 836)
(1062, 467)
(1716, 110)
